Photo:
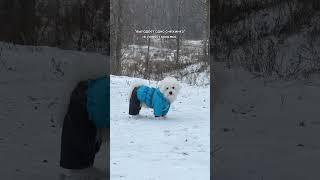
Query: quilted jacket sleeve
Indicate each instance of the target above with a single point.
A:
(98, 102)
(157, 105)
(165, 109)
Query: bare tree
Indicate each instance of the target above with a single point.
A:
(147, 68)
(206, 31)
(82, 23)
(179, 28)
(117, 23)
(149, 9)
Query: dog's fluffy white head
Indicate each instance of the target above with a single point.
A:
(170, 88)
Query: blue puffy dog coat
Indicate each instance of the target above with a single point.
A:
(153, 98)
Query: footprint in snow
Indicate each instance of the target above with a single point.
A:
(185, 153)
(167, 132)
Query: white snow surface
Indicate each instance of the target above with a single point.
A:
(265, 129)
(35, 90)
(146, 148)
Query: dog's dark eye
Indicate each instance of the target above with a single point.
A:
(172, 87)
(167, 88)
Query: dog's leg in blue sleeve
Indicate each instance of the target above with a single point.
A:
(157, 110)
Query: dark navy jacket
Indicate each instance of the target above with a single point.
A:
(98, 101)
(153, 98)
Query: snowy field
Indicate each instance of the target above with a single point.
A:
(35, 84)
(145, 148)
(265, 130)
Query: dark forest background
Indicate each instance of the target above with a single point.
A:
(68, 24)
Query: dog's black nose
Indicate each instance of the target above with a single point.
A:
(170, 92)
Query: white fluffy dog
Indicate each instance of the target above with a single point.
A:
(159, 99)
(170, 87)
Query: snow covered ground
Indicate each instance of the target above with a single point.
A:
(35, 84)
(145, 148)
(265, 130)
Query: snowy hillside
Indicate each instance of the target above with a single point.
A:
(190, 48)
(191, 68)
(145, 148)
(270, 38)
(35, 84)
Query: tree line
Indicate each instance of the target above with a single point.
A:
(68, 24)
